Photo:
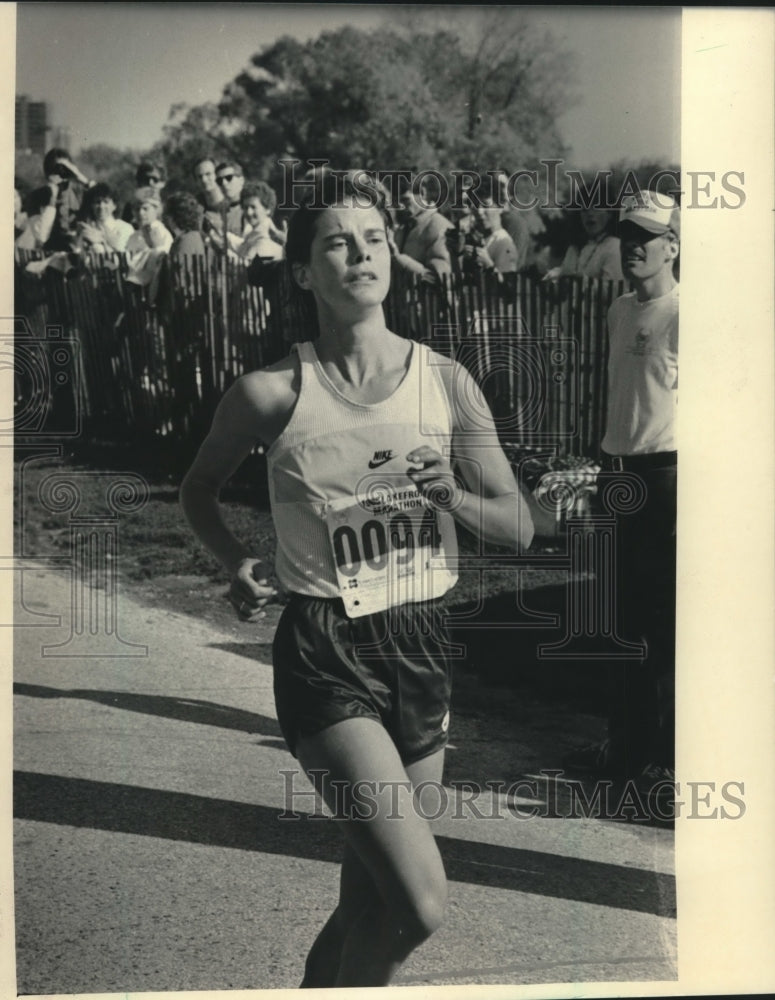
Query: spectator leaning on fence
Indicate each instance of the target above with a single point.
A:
(208, 194)
(148, 175)
(183, 216)
(464, 238)
(39, 220)
(98, 230)
(498, 252)
(262, 238)
(517, 223)
(230, 180)
(148, 243)
(640, 444)
(595, 254)
(420, 245)
(19, 213)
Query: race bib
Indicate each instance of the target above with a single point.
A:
(389, 551)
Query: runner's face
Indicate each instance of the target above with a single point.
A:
(349, 261)
(644, 254)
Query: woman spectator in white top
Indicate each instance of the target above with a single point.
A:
(596, 252)
(261, 236)
(99, 231)
(150, 242)
(38, 221)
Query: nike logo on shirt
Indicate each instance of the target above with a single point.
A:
(380, 457)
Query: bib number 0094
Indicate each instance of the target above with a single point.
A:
(371, 544)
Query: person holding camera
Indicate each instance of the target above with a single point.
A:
(66, 184)
(479, 241)
(463, 238)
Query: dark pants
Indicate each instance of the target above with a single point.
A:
(641, 712)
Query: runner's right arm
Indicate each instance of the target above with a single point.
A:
(244, 419)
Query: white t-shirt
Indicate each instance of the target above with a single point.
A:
(258, 243)
(642, 375)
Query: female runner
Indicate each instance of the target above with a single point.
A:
(361, 426)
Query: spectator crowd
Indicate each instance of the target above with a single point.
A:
(236, 216)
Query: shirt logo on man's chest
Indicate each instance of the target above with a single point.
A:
(641, 345)
(380, 458)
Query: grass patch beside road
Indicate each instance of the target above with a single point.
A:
(156, 541)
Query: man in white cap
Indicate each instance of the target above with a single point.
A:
(640, 441)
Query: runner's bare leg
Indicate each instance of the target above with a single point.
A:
(395, 846)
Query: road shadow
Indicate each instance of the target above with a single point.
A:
(206, 713)
(221, 823)
(251, 650)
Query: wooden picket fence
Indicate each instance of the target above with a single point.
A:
(159, 366)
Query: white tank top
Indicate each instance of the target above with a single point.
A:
(349, 521)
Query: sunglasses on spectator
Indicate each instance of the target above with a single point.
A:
(224, 178)
(152, 179)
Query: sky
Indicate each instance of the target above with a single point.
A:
(112, 71)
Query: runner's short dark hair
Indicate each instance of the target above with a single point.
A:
(330, 189)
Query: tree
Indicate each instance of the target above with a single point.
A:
(28, 169)
(113, 166)
(505, 85)
(192, 133)
(485, 96)
(354, 98)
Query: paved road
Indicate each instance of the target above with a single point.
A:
(151, 851)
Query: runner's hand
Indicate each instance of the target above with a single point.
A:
(435, 478)
(250, 592)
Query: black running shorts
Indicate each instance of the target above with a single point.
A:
(392, 666)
